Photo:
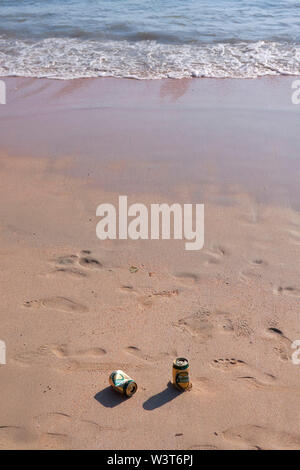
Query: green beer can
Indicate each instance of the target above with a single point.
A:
(122, 383)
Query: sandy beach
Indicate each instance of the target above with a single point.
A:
(72, 307)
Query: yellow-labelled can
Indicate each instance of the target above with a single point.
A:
(122, 383)
(181, 377)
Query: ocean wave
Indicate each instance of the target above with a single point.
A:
(67, 58)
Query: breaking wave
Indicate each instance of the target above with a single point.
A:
(67, 58)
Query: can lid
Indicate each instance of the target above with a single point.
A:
(130, 388)
(181, 363)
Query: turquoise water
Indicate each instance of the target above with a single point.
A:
(149, 39)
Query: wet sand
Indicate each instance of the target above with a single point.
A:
(72, 310)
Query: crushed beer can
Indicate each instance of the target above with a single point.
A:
(122, 383)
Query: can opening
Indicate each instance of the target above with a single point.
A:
(131, 389)
(181, 363)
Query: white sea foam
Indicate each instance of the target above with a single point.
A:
(74, 58)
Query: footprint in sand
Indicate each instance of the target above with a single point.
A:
(294, 237)
(66, 260)
(145, 301)
(58, 429)
(263, 438)
(290, 291)
(135, 351)
(63, 351)
(131, 291)
(61, 428)
(88, 261)
(166, 293)
(199, 324)
(258, 262)
(204, 385)
(53, 441)
(282, 344)
(245, 373)
(219, 251)
(127, 288)
(253, 273)
(60, 357)
(40, 357)
(228, 364)
(203, 447)
(67, 263)
(74, 365)
(267, 382)
(100, 427)
(211, 260)
(216, 254)
(187, 277)
(239, 326)
(57, 303)
(250, 275)
(204, 324)
(53, 430)
(73, 272)
(148, 299)
(14, 437)
(54, 423)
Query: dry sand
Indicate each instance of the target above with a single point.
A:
(71, 309)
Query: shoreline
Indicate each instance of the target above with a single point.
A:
(112, 77)
(202, 131)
